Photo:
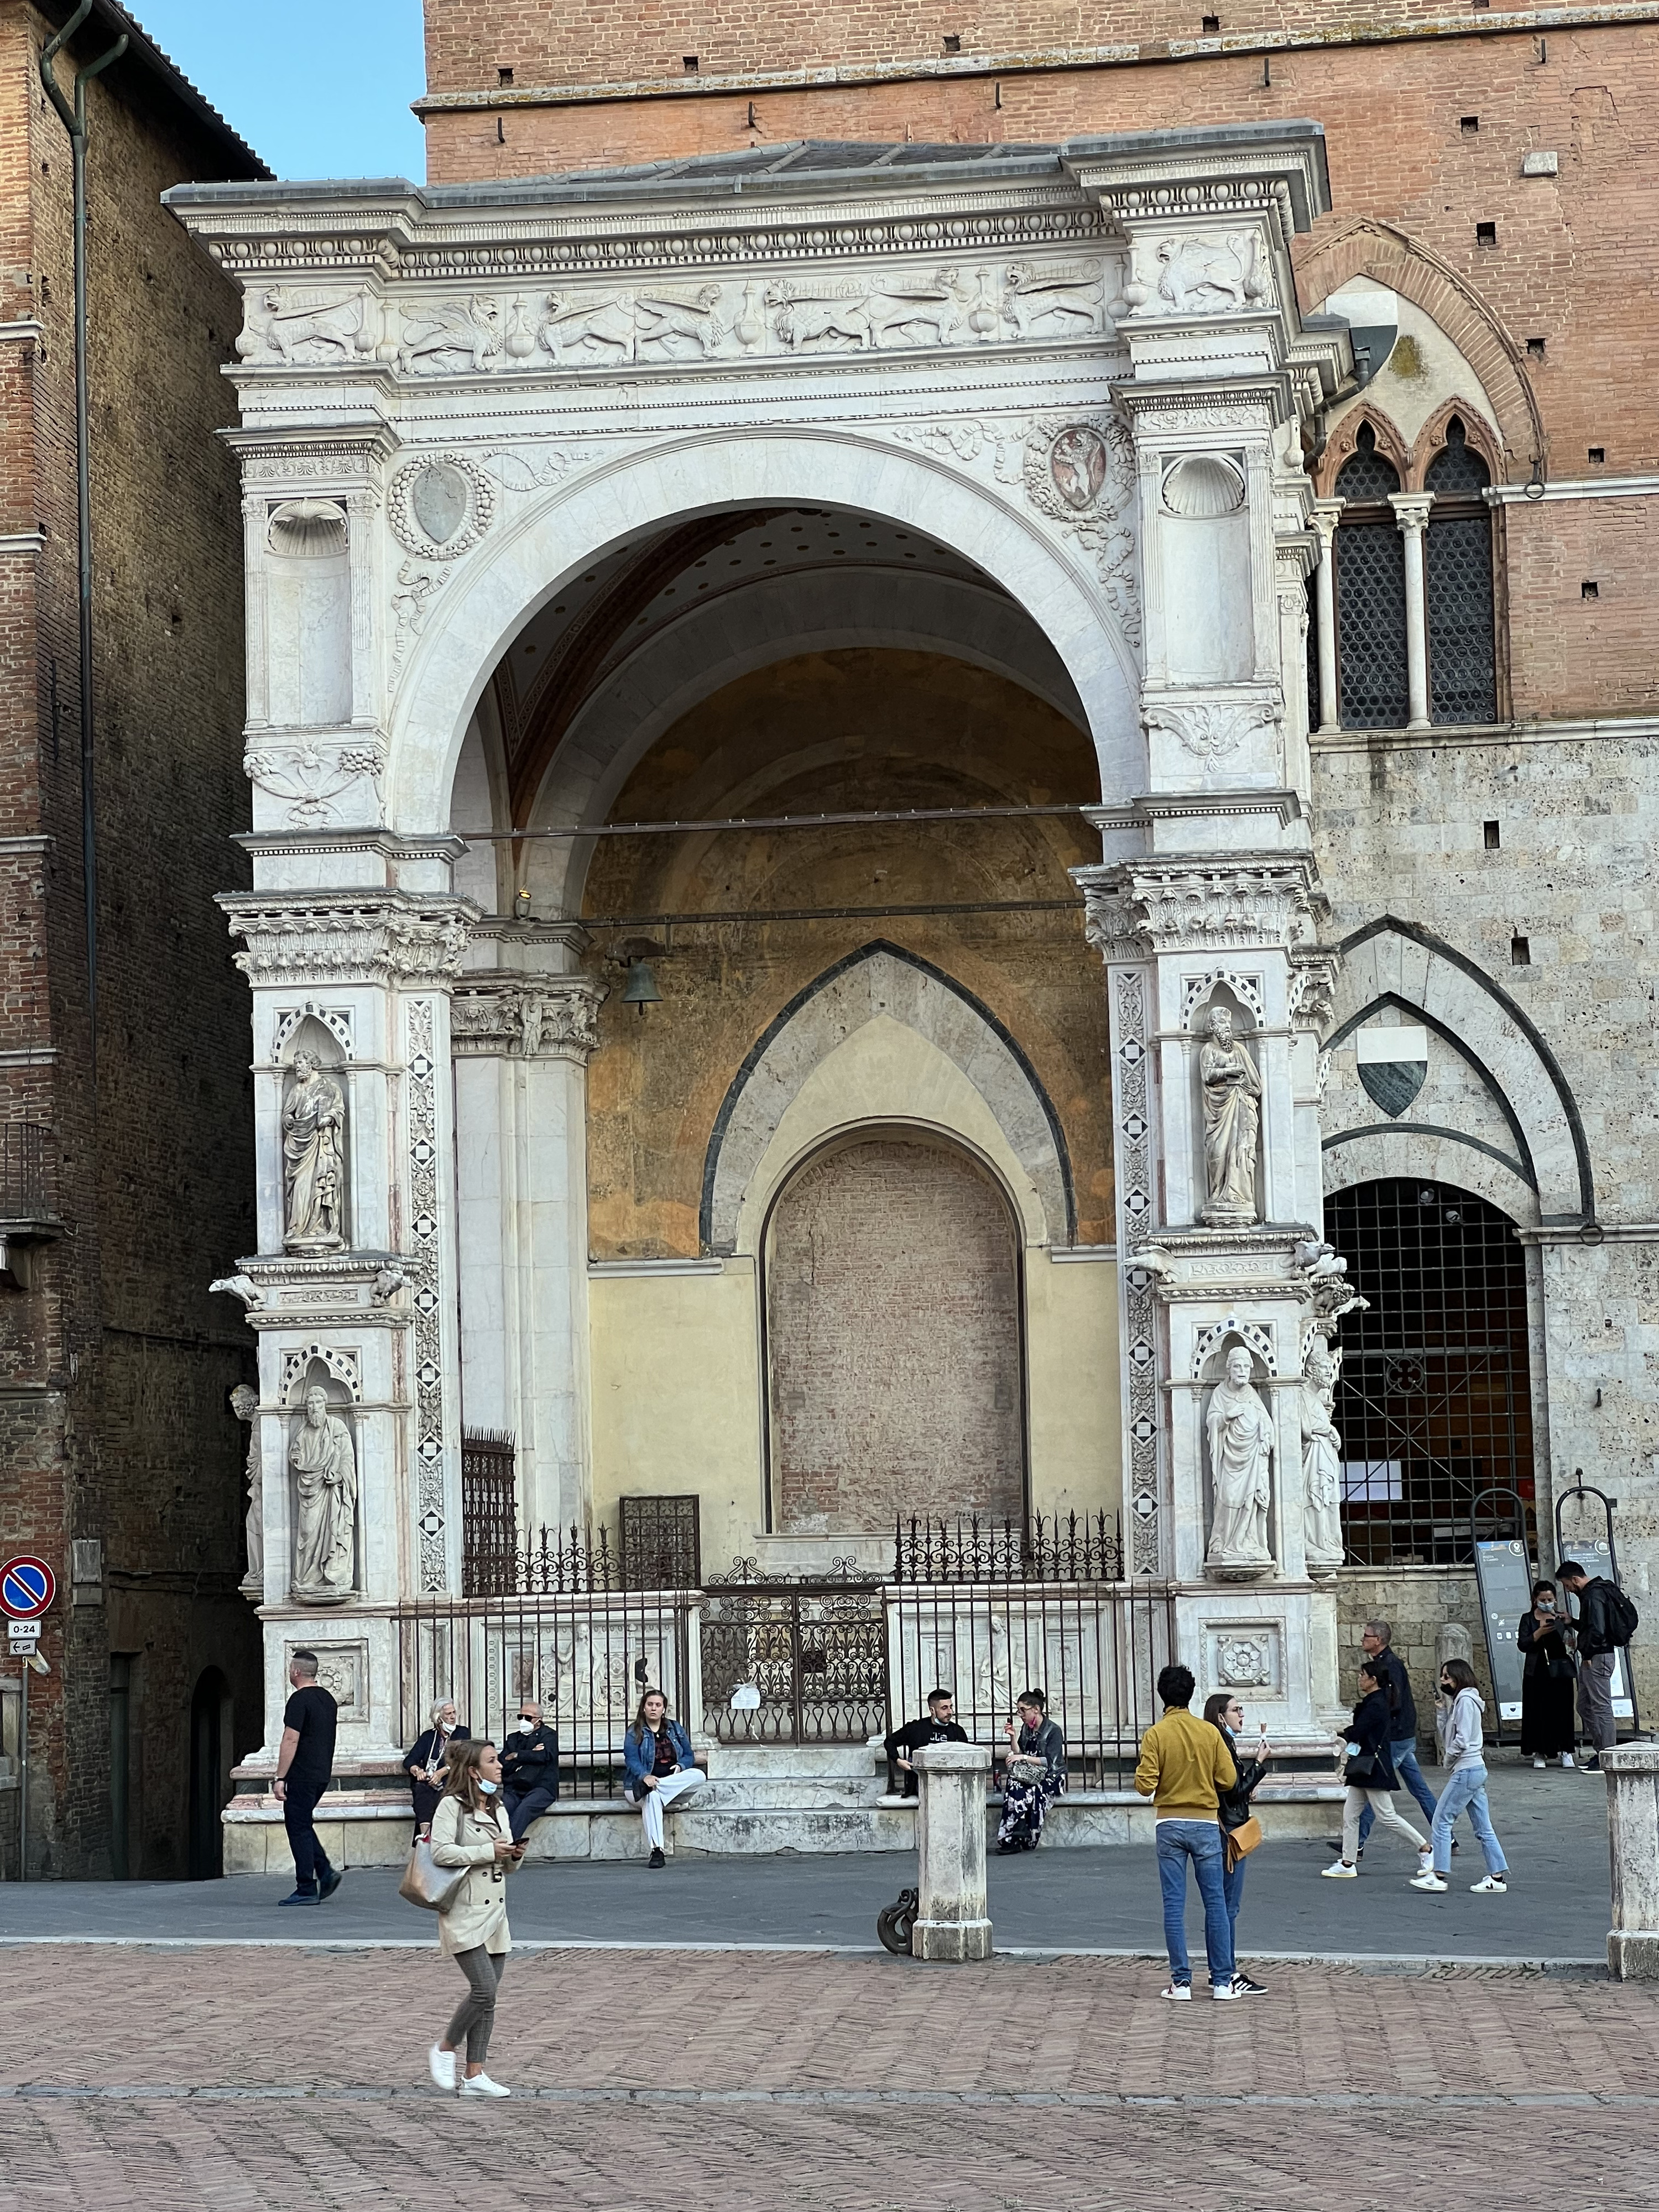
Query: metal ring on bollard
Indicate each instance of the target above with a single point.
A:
(893, 1924)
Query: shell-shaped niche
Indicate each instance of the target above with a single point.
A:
(308, 529)
(1202, 486)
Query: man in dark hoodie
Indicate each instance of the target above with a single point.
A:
(1402, 1732)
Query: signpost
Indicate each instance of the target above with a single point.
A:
(27, 1587)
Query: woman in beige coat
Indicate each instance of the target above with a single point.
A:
(470, 1830)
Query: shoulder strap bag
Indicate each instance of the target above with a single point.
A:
(1241, 1841)
(425, 1883)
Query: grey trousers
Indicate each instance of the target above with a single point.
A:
(1596, 1700)
(475, 2013)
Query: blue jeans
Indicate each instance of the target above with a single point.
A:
(1232, 1888)
(1404, 1756)
(1200, 1841)
(1465, 1791)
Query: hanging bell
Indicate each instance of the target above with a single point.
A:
(641, 988)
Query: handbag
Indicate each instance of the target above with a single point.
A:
(428, 1884)
(1242, 1840)
(1361, 1770)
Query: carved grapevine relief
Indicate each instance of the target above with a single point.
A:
(304, 773)
(1082, 476)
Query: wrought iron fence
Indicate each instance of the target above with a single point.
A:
(1080, 1547)
(795, 1662)
(490, 1514)
(1093, 1649)
(24, 1171)
(586, 1657)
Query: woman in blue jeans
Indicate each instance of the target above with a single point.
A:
(1224, 1711)
(1466, 1786)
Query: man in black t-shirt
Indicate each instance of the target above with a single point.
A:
(304, 1761)
(941, 1726)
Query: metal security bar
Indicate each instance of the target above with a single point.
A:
(796, 1662)
(1370, 593)
(490, 1514)
(661, 1541)
(1433, 1402)
(1046, 1548)
(1094, 1651)
(585, 1657)
(1459, 586)
(25, 1181)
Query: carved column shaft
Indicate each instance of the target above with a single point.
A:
(1326, 512)
(1411, 510)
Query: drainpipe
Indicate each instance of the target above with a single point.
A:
(74, 120)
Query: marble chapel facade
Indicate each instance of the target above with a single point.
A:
(821, 941)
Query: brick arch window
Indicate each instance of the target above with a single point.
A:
(1370, 591)
(1458, 584)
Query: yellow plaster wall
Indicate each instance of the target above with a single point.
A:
(1071, 1379)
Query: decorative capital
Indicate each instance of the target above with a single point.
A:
(1313, 986)
(1327, 513)
(1135, 909)
(1411, 511)
(546, 1017)
(389, 937)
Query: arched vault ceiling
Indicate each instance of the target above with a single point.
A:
(557, 669)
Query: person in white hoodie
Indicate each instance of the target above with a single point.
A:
(1464, 1753)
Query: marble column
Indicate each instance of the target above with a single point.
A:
(1325, 513)
(1632, 1773)
(952, 1918)
(1411, 510)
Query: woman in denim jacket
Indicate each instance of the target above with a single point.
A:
(660, 1766)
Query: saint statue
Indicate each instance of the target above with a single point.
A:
(313, 1159)
(325, 1504)
(1322, 1461)
(244, 1404)
(1241, 1436)
(1232, 1116)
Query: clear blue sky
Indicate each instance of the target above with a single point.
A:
(318, 88)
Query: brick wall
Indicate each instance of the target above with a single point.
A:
(113, 1419)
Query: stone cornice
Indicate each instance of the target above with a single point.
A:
(1136, 909)
(329, 937)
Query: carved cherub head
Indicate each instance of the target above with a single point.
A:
(244, 1401)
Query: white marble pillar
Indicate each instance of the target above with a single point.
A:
(953, 1919)
(1325, 513)
(1632, 1773)
(521, 1043)
(1411, 510)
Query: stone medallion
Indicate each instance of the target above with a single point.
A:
(1076, 466)
(440, 505)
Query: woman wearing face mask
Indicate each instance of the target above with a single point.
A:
(1547, 1678)
(425, 1764)
(1224, 1711)
(1464, 1753)
(470, 1830)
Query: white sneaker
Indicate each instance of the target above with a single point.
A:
(480, 2085)
(1178, 1993)
(1428, 1880)
(1540, 1764)
(1495, 1885)
(1566, 1758)
(1224, 1992)
(442, 2066)
(1340, 1872)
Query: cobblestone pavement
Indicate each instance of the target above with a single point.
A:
(232, 2079)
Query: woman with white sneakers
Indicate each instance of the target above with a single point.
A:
(470, 1830)
(1370, 1774)
(1464, 1751)
(659, 1765)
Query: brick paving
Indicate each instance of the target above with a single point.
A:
(224, 2079)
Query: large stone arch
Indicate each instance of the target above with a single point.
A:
(698, 654)
(1393, 962)
(520, 566)
(1333, 253)
(962, 1074)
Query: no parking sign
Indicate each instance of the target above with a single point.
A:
(27, 1587)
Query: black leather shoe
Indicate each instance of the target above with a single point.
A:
(656, 1859)
(301, 1897)
(330, 1883)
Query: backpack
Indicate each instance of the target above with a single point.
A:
(1622, 1619)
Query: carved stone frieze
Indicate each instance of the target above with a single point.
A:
(1313, 987)
(1136, 909)
(1210, 730)
(312, 772)
(551, 1017)
(389, 936)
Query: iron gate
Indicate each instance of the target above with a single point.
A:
(794, 1662)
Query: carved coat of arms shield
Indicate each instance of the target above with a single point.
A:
(1077, 463)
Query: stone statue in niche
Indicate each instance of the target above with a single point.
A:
(1322, 1461)
(1241, 1439)
(1233, 1120)
(324, 1469)
(244, 1404)
(313, 1159)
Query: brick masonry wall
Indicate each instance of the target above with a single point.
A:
(114, 1423)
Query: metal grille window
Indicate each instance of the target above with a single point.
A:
(1314, 714)
(662, 1544)
(1458, 576)
(1370, 593)
(1434, 1400)
(490, 1514)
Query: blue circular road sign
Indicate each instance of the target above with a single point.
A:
(27, 1587)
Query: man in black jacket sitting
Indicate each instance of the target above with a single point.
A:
(940, 1726)
(530, 1770)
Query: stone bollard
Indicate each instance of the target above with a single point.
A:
(951, 1918)
(1632, 1773)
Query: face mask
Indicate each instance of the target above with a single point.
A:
(488, 1788)
(525, 1728)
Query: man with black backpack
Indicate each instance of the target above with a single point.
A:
(1607, 1621)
